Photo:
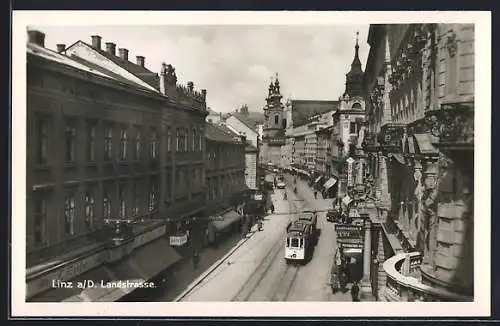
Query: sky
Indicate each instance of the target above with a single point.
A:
(235, 63)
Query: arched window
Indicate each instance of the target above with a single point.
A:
(283, 123)
(356, 106)
(276, 119)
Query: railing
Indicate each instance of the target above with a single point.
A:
(403, 283)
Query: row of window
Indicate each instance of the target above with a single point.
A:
(130, 146)
(230, 182)
(72, 203)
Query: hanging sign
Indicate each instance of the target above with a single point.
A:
(178, 240)
(350, 163)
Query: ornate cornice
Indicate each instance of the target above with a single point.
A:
(453, 124)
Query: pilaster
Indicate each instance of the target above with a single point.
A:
(366, 285)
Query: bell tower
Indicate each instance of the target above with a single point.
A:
(274, 124)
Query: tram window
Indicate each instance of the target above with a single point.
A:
(301, 243)
(288, 242)
(295, 242)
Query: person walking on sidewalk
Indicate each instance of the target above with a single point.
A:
(355, 292)
(315, 194)
(196, 259)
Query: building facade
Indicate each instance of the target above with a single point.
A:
(109, 190)
(273, 137)
(420, 145)
(243, 124)
(225, 171)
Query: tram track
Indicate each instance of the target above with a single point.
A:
(285, 283)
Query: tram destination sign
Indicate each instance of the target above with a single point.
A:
(348, 231)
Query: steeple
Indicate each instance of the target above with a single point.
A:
(277, 85)
(356, 63)
(354, 78)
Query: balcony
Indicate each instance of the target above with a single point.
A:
(404, 284)
(453, 124)
(390, 137)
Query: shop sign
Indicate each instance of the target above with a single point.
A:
(350, 240)
(149, 236)
(65, 273)
(348, 231)
(353, 245)
(350, 168)
(258, 196)
(216, 218)
(178, 240)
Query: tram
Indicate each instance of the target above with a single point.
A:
(300, 241)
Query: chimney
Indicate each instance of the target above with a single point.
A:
(61, 47)
(96, 42)
(36, 37)
(123, 54)
(111, 48)
(140, 60)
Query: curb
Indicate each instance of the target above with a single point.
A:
(214, 266)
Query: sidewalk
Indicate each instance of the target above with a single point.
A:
(186, 273)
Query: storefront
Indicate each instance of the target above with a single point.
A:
(223, 225)
(350, 241)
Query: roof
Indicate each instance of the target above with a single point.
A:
(147, 76)
(220, 133)
(302, 110)
(252, 120)
(107, 72)
(39, 51)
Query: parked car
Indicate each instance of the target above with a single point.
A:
(281, 185)
(332, 215)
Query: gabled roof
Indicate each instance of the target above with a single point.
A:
(39, 51)
(144, 74)
(221, 133)
(302, 110)
(247, 119)
(110, 73)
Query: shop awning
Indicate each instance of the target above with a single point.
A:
(228, 219)
(147, 261)
(74, 293)
(328, 184)
(318, 179)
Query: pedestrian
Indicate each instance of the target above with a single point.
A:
(334, 281)
(196, 259)
(355, 292)
(315, 194)
(343, 281)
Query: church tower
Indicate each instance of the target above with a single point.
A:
(274, 125)
(352, 103)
